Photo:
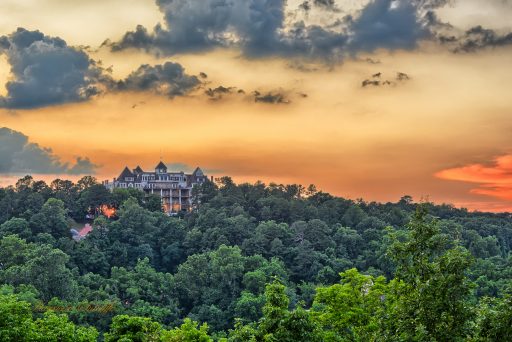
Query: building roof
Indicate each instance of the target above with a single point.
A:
(85, 230)
(160, 165)
(137, 170)
(126, 173)
(198, 172)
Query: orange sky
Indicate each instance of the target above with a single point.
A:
(444, 134)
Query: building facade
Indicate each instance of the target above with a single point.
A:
(174, 188)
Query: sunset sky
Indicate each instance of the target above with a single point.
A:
(366, 99)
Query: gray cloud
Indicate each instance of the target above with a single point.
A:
(219, 92)
(472, 40)
(167, 79)
(377, 80)
(270, 97)
(329, 5)
(18, 155)
(46, 71)
(477, 38)
(262, 28)
(387, 24)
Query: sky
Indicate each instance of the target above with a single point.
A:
(372, 99)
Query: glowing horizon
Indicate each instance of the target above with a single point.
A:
(282, 116)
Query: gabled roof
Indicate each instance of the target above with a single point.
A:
(198, 172)
(160, 166)
(126, 173)
(138, 170)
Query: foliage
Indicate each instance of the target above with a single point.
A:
(409, 271)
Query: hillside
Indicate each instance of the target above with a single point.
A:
(253, 262)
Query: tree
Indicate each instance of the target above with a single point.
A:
(278, 323)
(52, 327)
(433, 297)
(15, 319)
(187, 332)
(17, 324)
(86, 182)
(145, 285)
(353, 309)
(92, 197)
(248, 307)
(495, 319)
(16, 226)
(134, 329)
(42, 266)
(52, 219)
(208, 284)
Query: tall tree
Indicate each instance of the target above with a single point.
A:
(434, 290)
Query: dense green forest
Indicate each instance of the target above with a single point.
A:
(251, 262)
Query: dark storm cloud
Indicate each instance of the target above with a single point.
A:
(167, 79)
(46, 71)
(18, 155)
(478, 38)
(262, 28)
(387, 24)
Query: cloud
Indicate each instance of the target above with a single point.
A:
(494, 180)
(477, 38)
(18, 155)
(82, 166)
(376, 80)
(329, 5)
(263, 28)
(180, 166)
(270, 97)
(46, 71)
(167, 79)
(372, 61)
(387, 24)
(219, 92)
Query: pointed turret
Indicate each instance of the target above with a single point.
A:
(138, 170)
(198, 172)
(161, 168)
(126, 175)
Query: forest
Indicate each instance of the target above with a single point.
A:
(250, 262)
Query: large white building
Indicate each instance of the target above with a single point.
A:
(174, 188)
